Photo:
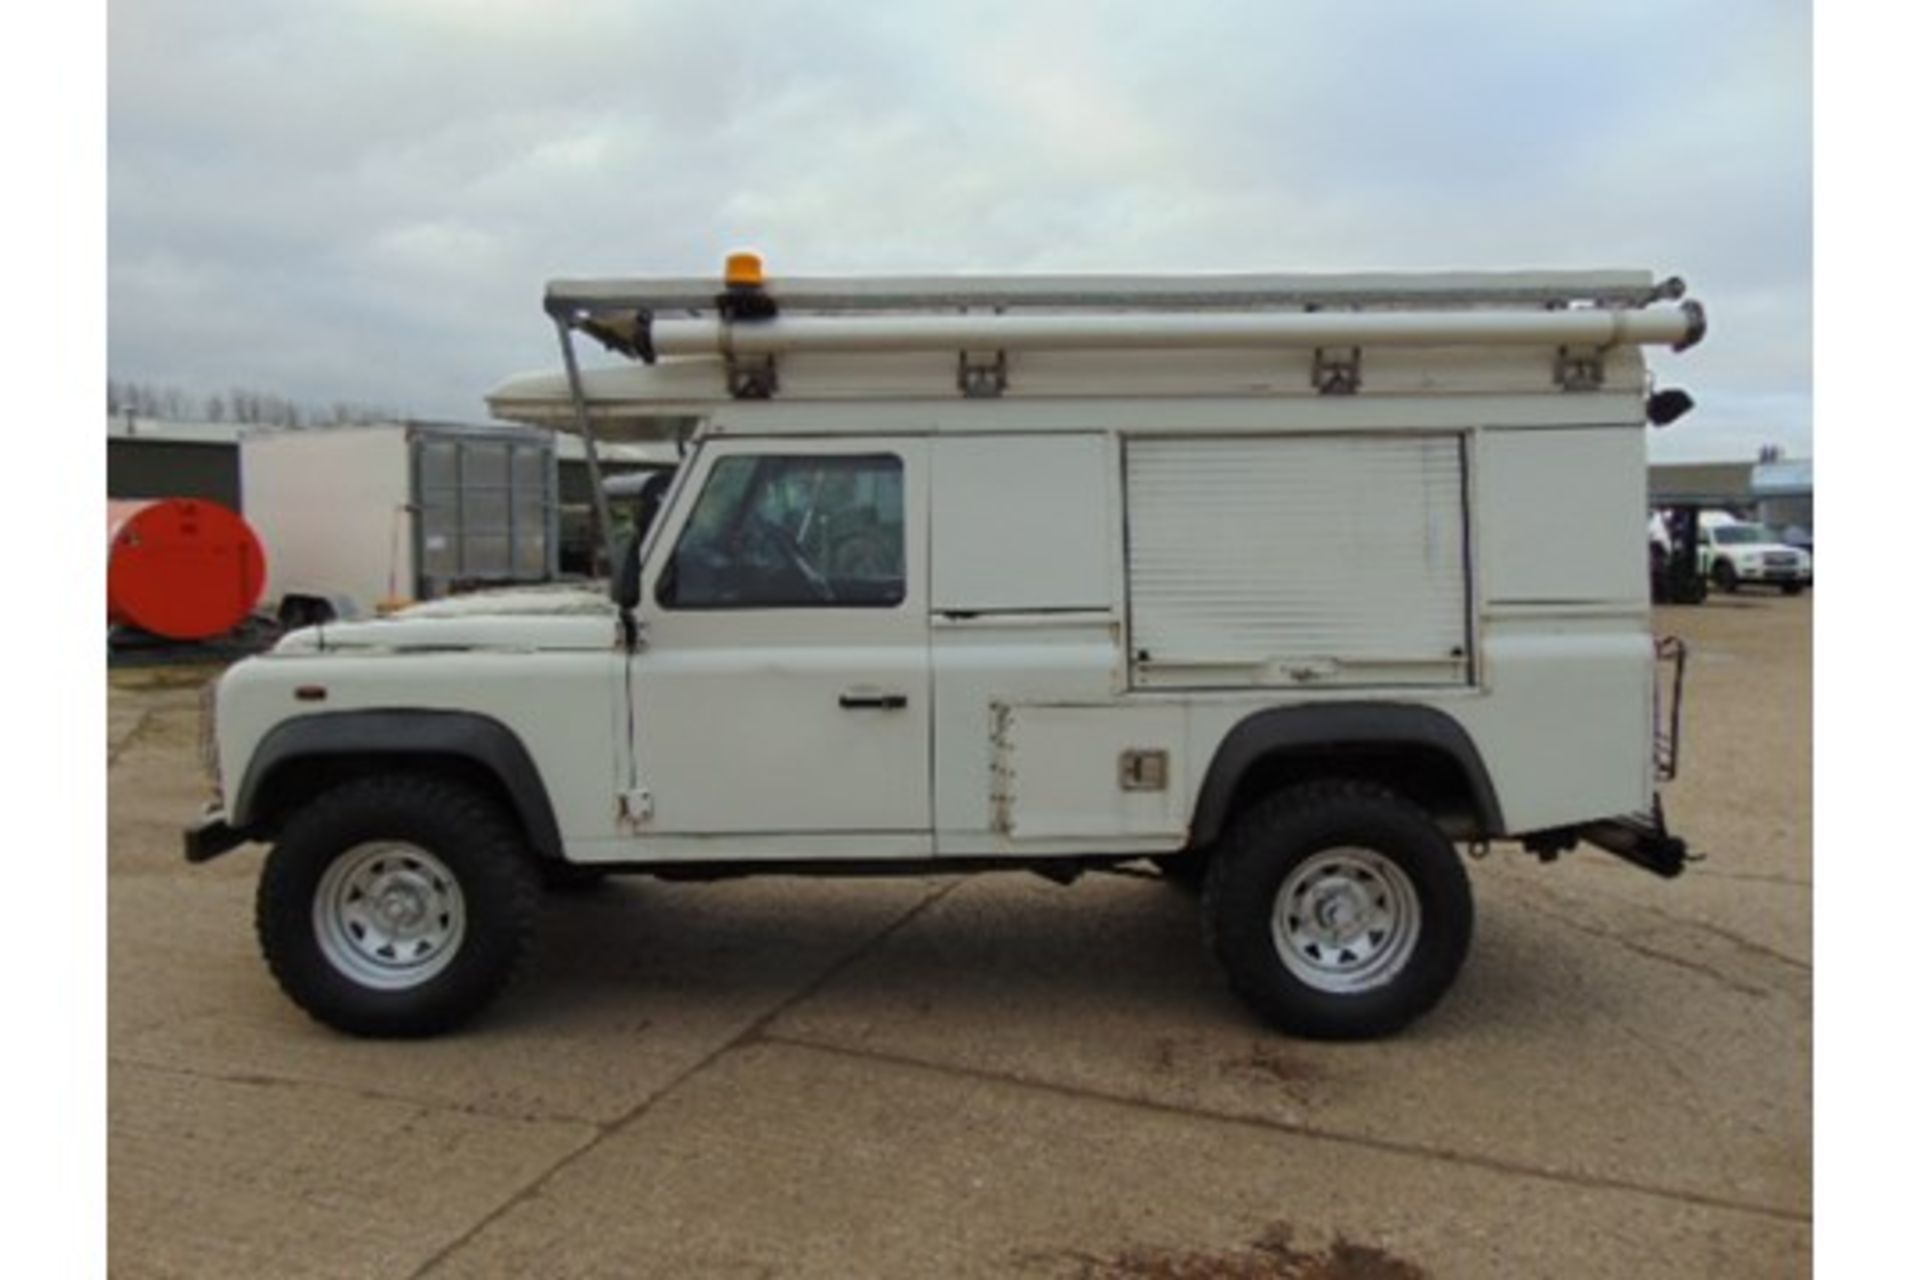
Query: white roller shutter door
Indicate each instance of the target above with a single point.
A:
(1297, 560)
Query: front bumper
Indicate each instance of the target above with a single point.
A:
(1773, 573)
(209, 836)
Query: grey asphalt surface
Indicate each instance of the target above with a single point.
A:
(994, 1075)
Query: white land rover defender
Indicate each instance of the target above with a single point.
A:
(1292, 585)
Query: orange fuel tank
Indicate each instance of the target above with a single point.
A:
(183, 568)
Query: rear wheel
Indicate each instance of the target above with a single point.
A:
(395, 905)
(1338, 910)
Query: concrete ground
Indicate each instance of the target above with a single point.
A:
(994, 1075)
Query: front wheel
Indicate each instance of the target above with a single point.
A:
(395, 905)
(1725, 577)
(1338, 910)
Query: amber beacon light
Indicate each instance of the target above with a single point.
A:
(745, 271)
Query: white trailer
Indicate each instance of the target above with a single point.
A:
(1286, 584)
(366, 518)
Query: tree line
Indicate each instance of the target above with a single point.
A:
(242, 405)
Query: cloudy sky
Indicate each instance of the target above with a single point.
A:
(360, 200)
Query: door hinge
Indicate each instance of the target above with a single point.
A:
(1001, 784)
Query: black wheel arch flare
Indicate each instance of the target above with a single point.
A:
(1300, 731)
(340, 737)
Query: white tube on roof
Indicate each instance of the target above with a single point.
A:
(1599, 327)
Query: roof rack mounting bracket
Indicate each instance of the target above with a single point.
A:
(752, 377)
(643, 336)
(1336, 370)
(1580, 368)
(981, 378)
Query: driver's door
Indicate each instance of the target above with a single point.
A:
(783, 689)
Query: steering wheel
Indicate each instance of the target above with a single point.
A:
(789, 548)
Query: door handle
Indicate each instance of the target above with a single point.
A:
(870, 700)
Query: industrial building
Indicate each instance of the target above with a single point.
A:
(1701, 484)
(150, 458)
(1778, 493)
(156, 458)
(1783, 494)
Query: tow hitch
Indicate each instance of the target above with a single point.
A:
(1639, 838)
(1643, 840)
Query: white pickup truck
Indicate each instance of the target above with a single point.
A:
(1291, 585)
(1739, 553)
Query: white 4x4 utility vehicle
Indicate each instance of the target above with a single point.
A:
(1290, 585)
(1738, 553)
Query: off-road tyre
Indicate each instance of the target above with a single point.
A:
(470, 839)
(1299, 829)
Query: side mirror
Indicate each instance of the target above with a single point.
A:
(652, 494)
(626, 576)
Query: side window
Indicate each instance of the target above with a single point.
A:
(787, 531)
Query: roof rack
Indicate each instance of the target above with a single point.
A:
(744, 316)
(583, 298)
(749, 324)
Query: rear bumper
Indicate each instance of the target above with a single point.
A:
(209, 836)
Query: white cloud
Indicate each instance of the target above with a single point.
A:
(430, 251)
